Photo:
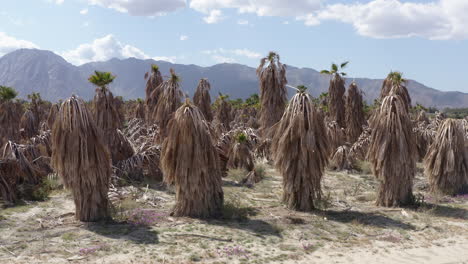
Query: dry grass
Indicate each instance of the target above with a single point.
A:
(255, 228)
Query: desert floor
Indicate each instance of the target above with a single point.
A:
(256, 227)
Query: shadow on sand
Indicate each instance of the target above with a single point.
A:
(124, 231)
(372, 219)
(445, 211)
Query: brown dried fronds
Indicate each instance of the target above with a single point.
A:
(81, 157)
(446, 162)
(355, 117)
(202, 99)
(393, 152)
(189, 161)
(273, 95)
(300, 149)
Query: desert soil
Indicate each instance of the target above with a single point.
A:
(256, 227)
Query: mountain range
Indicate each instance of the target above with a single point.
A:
(32, 70)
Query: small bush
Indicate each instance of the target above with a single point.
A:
(234, 209)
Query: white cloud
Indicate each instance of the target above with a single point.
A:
(260, 7)
(106, 48)
(84, 11)
(225, 55)
(222, 59)
(214, 17)
(58, 2)
(141, 7)
(183, 37)
(242, 22)
(171, 59)
(443, 19)
(9, 44)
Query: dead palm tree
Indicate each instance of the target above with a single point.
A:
(393, 152)
(168, 102)
(446, 162)
(223, 113)
(81, 157)
(202, 99)
(240, 154)
(28, 125)
(189, 160)
(139, 111)
(396, 81)
(108, 118)
(300, 151)
(37, 107)
(10, 114)
(152, 88)
(52, 115)
(273, 95)
(355, 117)
(336, 91)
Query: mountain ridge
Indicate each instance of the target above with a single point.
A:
(33, 70)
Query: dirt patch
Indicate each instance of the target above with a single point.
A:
(256, 228)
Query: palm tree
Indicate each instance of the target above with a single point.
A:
(336, 91)
(189, 160)
(101, 79)
(139, 110)
(396, 81)
(28, 125)
(300, 151)
(10, 114)
(273, 95)
(393, 152)
(446, 162)
(223, 111)
(240, 154)
(108, 117)
(202, 99)
(355, 117)
(153, 89)
(52, 115)
(168, 102)
(81, 157)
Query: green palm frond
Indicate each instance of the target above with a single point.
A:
(101, 79)
(396, 78)
(7, 93)
(301, 88)
(325, 72)
(272, 56)
(154, 67)
(334, 68)
(174, 77)
(344, 64)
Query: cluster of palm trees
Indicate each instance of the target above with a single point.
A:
(194, 144)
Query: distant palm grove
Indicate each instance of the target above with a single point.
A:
(190, 144)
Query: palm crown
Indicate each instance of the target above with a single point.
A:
(396, 78)
(335, 69)
(101, 79)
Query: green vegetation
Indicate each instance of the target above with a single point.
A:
(7, 93)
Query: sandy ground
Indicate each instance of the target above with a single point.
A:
(256, 228)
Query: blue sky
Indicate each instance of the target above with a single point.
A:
(425, 39)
